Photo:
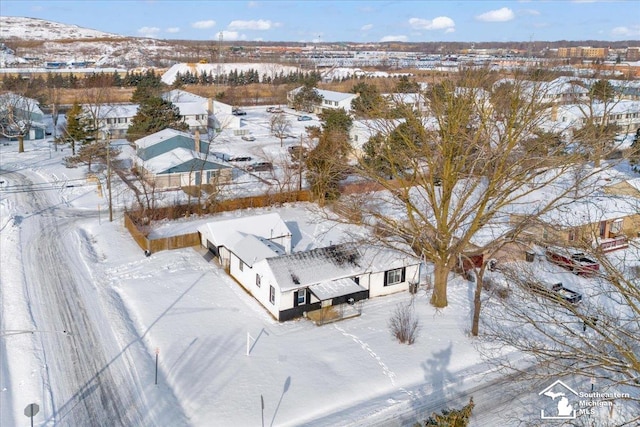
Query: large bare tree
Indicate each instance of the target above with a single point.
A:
(456, 172)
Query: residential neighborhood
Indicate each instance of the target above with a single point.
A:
(319, 237)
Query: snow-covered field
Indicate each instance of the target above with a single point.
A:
(219, 353)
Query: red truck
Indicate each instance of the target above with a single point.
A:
(577, 262)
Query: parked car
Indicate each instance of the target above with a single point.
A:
(238, 112)
(260, 167)
(240, 159)
(577, 262)
(304, 118)
(248, 138)
(221, 156)
(555, 291)
(275, 110)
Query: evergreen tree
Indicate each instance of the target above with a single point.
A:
(369, 103)
(154, 114)
(451, 417)
(76, 128)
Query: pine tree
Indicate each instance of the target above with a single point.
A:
(155, 114)
(76, 129)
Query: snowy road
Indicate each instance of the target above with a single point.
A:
(89, 375)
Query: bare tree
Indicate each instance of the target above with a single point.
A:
(597, 339)
(18, 114)
(280, 126)
(457, 171)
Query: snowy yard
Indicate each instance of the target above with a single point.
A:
(185, 310)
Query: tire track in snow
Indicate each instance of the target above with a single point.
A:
(385, 369)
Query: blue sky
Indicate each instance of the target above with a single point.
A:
(357, 21)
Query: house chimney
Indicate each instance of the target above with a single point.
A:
(197, 141)
(210, 106)
(554, 112)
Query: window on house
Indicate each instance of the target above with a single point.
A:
(572, 235)
(301, 297)
(257, 280)
(272, 295)
(240, 265)
(616, 226)
(393, 277)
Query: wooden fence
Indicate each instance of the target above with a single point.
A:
(135, 223)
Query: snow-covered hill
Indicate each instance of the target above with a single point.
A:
(39, 29)
(70, 43)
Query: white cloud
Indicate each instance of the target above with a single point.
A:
(252, 4)
(439, 23)
(256, 25)
(231, 35)
(173, 30)
(149, 31)
(633, 31)
(531, 12)
(393, 39)
(204, 24)
(499, 15)
(366, 27)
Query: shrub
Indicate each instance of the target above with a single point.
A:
(404, 324)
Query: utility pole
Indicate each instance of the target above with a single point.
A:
(108, 135)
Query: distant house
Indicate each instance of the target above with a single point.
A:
(606, 222)
(330, 99)
(417, 101)
(194, 109)
(291, 285)
(362, 130)
(19, 114)
(570, 117)
(182, 167)
(174, 159)
(115, 118)
(166, 140)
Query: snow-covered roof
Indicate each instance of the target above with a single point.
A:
(329, 95)
(176, 157)
(179, 95)
(316, 266)
(109, 111)
(160, 136)
(191, 108)
(591, 210)
(21, 102)
(251, 249)
(229, 232)
(335, 288)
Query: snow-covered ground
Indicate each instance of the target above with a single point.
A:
(219, 353)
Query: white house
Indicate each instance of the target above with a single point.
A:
(290, 285)
(330, 99)
(417, 101)
(115, 118)
(222, 237)
(566, 118)
(194, 109)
